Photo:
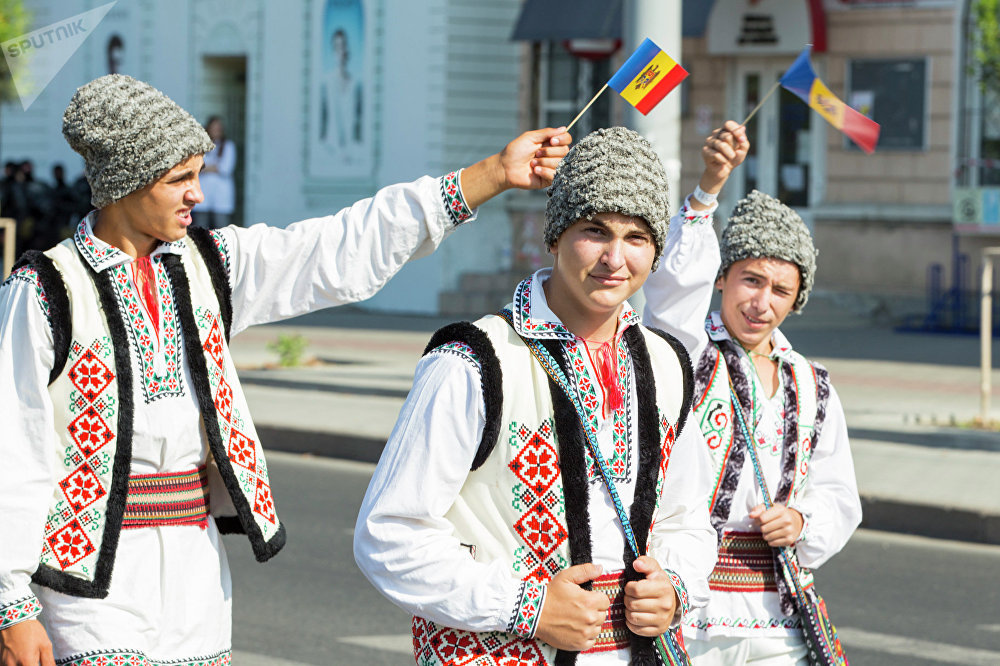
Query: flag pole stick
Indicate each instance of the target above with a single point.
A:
(761, 103)
(593, 99)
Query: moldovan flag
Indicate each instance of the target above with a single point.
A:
(801, 80)
(647, 76)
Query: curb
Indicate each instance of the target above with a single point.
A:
(879, 514)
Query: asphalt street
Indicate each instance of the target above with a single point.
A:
(897, 600)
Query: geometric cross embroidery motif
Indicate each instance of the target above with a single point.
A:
(435, 645)
(224, 400)
(540, 530)
(89, 431)
(70, 544)
(90, 375)
(242, 450)
(538, 498)
(82, 488)
(262, 503)
(213, 343)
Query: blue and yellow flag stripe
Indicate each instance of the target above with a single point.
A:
(647, 76)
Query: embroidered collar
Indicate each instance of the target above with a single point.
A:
(718, 331)
(101, 255)
(534, 319)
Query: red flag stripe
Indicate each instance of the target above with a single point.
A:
(861, 129)
(660, 90)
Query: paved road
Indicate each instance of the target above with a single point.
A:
(897, 600)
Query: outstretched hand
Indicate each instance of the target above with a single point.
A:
(528, 162)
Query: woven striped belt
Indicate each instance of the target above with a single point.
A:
(159, 500)
(614, 634)
(745, 564)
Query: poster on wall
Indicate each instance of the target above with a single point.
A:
(341, 91)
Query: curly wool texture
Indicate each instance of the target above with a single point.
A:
(129, 134)
(613, 170)
(762, 226)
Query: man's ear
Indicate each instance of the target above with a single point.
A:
(718, 283)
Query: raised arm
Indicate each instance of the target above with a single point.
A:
(347, 257)
(679, 292)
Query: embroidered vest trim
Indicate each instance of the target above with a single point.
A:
(95, 428)
(59, 313)
(806, 386)
(561, 482)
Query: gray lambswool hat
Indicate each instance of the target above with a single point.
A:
(613, 170)
(129, 134)
(762, 226)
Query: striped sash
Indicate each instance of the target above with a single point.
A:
(173, 498)
(614, 634)
(745, 564)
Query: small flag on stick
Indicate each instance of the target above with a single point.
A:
(801, 80)
(647, 76)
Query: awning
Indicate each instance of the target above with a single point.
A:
(558, 20)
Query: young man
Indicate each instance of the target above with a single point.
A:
(765, 271)
(121, 407)
(487, 517)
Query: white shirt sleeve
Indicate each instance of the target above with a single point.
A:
(829, 501)
(27, 445)
(679, 293)
(276, 273)
(403, 542)
(683, 539)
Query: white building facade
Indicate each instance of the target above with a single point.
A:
(326, 101)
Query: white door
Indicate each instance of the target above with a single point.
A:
(782, 142)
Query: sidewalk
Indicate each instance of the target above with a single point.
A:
(905, 396)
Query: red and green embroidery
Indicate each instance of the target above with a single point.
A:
(86, 462)
(136, 658)
(98, 255)
(249, 467)
(619, 462)
(222, 246)
(19, 611)
(160, 377)
(534, 328)
(460, 349)
(434, 645)
(454, 203)
(30, 276)
(538, 497)
(524, 620)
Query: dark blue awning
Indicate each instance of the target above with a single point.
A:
(557, 20)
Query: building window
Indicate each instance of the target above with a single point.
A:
(894, 94)
(566, 83)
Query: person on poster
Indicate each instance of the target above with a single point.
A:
(124, 422)
(486, 517)
(343, 107)
(765, 269)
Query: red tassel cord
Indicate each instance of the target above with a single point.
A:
(145, 281)
(607, 374)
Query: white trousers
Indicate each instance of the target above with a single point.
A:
(739, 650)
